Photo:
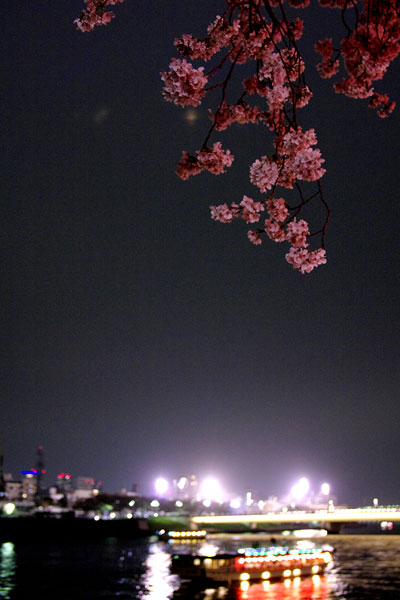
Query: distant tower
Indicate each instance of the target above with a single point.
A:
(40, 471)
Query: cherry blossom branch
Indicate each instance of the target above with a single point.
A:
(259, 34)
(279, 80)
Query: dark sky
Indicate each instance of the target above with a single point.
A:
(143, 339)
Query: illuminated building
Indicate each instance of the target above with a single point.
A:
(29, 485)
(186, 487)
(84, 483)
(84, 488)
(64, 482)
(13, 489)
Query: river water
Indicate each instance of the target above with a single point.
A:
(364, 567)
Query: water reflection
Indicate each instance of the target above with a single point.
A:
(7, 570)
(158, 582)
(312, 588)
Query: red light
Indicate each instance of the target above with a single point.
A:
(43, 471)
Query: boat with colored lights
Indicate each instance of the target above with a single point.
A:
(253, 564)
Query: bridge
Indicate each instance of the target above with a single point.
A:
(332, 520)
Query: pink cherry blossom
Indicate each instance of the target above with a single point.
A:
(95, 14)
(297, 232)
(275, 231)
(237, 113)
(305, 260)
(367, 50)
(193, 48)
(302, 96)
(247, 210)
(264, 173)
(301, 161)
(295, 140)
(250, 210)
(327, 67)
(254, 237)
(306, 164)
(277, 209)
(214, 159)
(184, 85)
(222, 213)
(187, 166)
(383, 105)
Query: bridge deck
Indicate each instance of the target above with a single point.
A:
(351, 515)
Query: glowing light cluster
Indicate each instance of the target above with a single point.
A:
(301, 488)
(161, 486)
(187, 534)
(279, 551)
(9, 508)
(211, 490)
(254, 560)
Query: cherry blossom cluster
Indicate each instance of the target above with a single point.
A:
(251, 32)
(259, 35)
(279, 227)
(213, 159)
(367, 51)
(95, 14)
(294, 160)
(183, 84)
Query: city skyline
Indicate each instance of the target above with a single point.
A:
(190, 486)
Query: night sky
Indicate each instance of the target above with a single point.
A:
(140, 338)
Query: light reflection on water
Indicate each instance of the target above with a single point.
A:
(157, 581)
(364, 568)
(7, 569)
(312, 588)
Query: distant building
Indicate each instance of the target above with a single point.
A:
(20, 489)
(55, 495)
(186, 487)
(13, 489)
(29, 485)
(84, 489)
(84, 483)
(64, 483)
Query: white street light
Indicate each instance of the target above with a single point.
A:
(161, 486)
(210, 489)
(325, 489)
(181, 483)
(300, 489)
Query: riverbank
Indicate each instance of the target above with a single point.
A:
(36, 528)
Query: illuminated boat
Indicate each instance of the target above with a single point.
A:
(181, 536)
(250, 564)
